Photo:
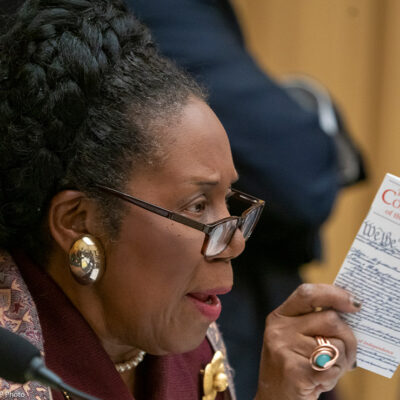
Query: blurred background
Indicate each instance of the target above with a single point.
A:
(353, 48)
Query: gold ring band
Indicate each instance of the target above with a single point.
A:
(324, 355)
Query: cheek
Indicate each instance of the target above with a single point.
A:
(152, 272)
(168, 253)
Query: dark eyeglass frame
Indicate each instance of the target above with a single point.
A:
(208, 229)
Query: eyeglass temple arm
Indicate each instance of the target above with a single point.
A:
(157, 210)
(247, 197)
(189, 222)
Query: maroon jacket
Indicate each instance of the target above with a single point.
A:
(73, 351)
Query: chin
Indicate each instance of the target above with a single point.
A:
(184, 342)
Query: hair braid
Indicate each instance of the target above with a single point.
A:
(70, 73)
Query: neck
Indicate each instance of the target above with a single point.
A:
(87, 302)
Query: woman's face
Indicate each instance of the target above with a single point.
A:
(159, 292)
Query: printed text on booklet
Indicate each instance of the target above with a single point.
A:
(371, 271)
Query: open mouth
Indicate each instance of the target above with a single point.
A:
(205, 298)
(207, 303)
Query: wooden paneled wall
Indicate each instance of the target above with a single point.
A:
(353, 48)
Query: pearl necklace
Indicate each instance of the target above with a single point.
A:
(133, 363)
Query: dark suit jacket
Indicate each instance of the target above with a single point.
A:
(280, 151)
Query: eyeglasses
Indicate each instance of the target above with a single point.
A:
(219, 234)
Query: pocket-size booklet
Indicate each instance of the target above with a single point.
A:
(371, 272)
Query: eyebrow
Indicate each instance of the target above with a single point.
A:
(211, 182)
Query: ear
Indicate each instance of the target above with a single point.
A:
(71, 215)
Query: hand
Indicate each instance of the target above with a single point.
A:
(289, 340)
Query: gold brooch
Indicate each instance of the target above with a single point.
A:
(215, 379)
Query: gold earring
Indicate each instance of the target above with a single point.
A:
(86, 260)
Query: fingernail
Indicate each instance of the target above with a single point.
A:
(355, 302)
(354, 365)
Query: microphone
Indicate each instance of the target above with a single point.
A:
(20, 361)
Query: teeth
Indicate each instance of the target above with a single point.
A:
(209, 301)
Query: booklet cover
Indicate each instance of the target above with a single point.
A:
(371, 272)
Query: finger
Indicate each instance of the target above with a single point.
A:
(306, 345)
(308, 297)
(342, 361)
(327, 379)
(325, 323)
(305, 381)
(331, 326)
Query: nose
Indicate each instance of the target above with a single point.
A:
(237, 244)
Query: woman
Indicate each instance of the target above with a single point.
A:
(116, 178)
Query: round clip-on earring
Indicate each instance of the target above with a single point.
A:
(86, 260)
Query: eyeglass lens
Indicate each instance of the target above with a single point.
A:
(223, 233)
(220, 237)
(249, 222)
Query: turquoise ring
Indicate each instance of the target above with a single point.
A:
(324, 355)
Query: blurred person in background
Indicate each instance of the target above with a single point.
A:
(282, 155)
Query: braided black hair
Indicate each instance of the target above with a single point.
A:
(80, 84)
